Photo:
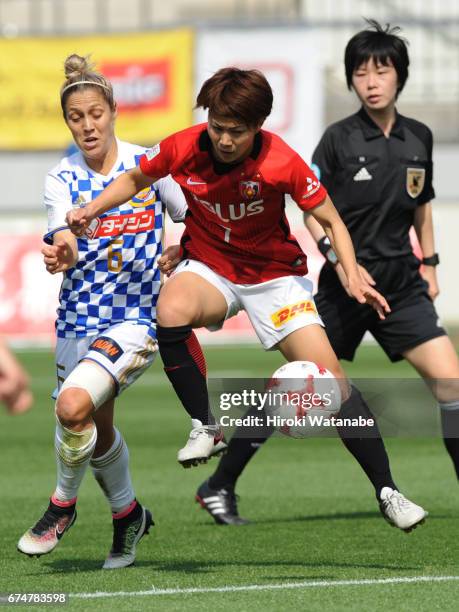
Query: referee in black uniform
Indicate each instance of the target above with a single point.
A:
(377, 168)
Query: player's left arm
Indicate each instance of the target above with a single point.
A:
(423, 225)
(312, 197)
(325, 247)
(327, 216)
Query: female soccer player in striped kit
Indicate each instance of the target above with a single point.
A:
(106, 320)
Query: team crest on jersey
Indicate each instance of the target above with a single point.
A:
(144, 198)
(415, 179)
(249, 189)
(80, 202)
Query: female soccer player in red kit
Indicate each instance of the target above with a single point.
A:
(238, 252)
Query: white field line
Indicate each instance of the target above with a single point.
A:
(266, 587)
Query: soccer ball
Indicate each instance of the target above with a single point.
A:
(302, 399)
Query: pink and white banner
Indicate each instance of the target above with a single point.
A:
(29, 295)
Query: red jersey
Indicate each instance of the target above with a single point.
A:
(236, 222)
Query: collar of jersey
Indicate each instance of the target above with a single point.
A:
(205, 144)
(105, 178)
(371, 130)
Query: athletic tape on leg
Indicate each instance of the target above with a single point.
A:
(74, 448)
(93, 379)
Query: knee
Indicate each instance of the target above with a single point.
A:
(174, 313)
(446, 390)
(73, 408)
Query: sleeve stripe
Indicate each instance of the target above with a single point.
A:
(48, 237)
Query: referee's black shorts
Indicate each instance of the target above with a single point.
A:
(412, 321)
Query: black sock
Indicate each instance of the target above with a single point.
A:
(185, 366)
(450, 427)
(369, 450)
(241, 448)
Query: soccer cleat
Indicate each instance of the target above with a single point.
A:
(221, 504)
(45, 535)
(127, 532)
(205, 441)
(399, 511)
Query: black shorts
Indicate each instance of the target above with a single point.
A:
(412, 321)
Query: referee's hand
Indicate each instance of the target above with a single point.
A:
(429, 274)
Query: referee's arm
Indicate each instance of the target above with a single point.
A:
(423, 226)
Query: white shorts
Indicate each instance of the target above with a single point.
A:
(275, 308)
(125, 351)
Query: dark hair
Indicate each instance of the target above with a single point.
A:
(381, 44)
(79, 75)
(244, 95)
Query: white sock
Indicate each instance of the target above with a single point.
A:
(73, 453)
(112, 473)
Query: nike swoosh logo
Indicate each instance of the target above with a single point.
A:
(191, 182)
(60, 533)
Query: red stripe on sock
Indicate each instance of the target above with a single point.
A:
(63, 504)
(126, 511)
(195, 350)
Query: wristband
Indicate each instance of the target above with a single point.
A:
(327, 251)
(433, 260)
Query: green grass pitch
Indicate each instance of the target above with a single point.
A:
(316, 541)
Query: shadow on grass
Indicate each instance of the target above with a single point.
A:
(70, 566)
(339, 516)
(346, 516)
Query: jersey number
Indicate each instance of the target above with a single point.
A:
(226, 236)
(115, 257)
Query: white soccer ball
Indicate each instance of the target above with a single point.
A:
(302, 399)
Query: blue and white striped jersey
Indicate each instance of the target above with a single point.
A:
(116, 277)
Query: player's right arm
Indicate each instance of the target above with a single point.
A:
(120, 191)
(155, 164)
(62, 254)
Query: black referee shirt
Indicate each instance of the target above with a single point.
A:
(375, 182)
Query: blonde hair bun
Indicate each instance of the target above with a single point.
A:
(79, 74)
(75, 66)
